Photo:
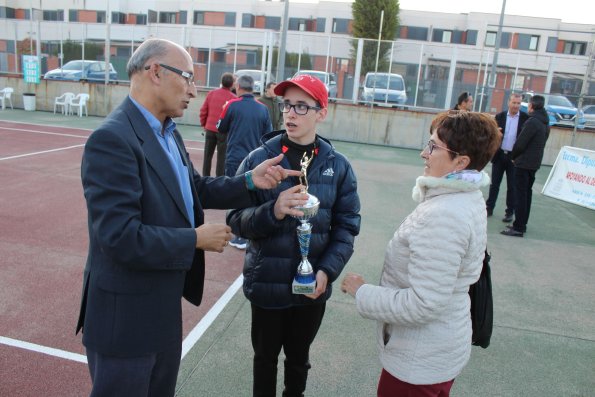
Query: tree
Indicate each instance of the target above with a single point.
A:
(366, 22)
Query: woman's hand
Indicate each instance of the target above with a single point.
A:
(351, 283)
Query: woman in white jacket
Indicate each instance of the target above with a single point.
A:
(422, 304)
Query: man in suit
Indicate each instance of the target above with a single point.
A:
(147, 235)
(511, 123)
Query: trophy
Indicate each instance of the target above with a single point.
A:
(304, 281)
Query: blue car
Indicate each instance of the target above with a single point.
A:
(83, 71)
(560, 110)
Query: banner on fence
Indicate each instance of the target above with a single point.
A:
(572, 177)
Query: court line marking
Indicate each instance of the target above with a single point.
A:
(42, 152)
(191, 339)
(197, 332)
(45, 132)
(50, 351)
(45, 125)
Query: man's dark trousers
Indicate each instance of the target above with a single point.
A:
(214, 139)
(524, 180)
(502, 164)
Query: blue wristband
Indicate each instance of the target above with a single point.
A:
(249, 181)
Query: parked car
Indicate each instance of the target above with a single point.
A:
(256, 75)
(329, 80)
(559, 109)
(589, 114)
(82, 71)
(384, 88)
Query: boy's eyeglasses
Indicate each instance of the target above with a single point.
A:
(431, 146)
(187, 75)
(298, 108)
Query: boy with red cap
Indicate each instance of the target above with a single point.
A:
(280, 318)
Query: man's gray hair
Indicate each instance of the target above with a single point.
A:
(151, 48)
(246, 83)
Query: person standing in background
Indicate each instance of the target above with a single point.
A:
(527, 155)
(245, 120)
(270, 100)
(510, 122)
(464, 102)
(209, 115)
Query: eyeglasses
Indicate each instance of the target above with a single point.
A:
(298, 108)
(188, 76)
(431, 146)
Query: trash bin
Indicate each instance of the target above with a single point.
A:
(29, 101)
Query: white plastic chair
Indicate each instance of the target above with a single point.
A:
(79, 102)
(63, 101)
(5, 97)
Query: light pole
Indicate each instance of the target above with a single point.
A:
(492, 79)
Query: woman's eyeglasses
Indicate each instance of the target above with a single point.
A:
(298, 108)
(187, 75)
(431, 146)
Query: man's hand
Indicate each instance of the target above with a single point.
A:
(288, 199)
(321, 283)
(268, 174)
(212, 236)
(351, 283)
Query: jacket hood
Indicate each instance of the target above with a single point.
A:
(541, 115)
(466, 181)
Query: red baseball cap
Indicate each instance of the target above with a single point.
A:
(311, 85)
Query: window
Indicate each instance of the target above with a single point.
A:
(471, 37)
(199, 17)
(527, 42)
(141, 19)
(53, 15)
(297, 24)
(413, 33)
(575, 48)
(118, 17)
(442, 36)
(73, 15)
(152, 16)
(211, 18)
(320, 24)
(552, 44)
(167, 17)
(272, 23)
(100, 17)
(230, 19)
(247, 20)
(341, 25)
(7, 12)
(504, 39)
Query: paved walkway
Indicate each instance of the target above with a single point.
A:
(544, 336)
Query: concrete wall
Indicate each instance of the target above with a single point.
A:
(345, 122)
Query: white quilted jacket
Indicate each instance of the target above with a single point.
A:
(422, 304)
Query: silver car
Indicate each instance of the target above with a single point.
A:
(256, 75)
(589, 112)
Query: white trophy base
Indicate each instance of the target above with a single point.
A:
(303, 289)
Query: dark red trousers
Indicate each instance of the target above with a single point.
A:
(389, 386)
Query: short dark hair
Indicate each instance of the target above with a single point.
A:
(227, 80)
(537, 102)
(269, 84)
(463, 97)
(473, 134)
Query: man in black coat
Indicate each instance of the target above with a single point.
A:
(527, 155)
(511, 123)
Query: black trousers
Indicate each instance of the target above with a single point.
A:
(292, 329)
(524, 180)
(219, 140)
(502, 164)
(151, 375)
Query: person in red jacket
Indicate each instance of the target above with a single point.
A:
(209, 115)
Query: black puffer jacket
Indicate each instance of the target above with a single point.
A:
(272, 255)
(528, 149)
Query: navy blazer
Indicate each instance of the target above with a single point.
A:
(501, 121)
(142, 248)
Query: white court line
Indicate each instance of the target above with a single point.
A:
(46, 125)
(200, 328)
(42, 152)
(44, 132)
(192, 338)
(50, 351)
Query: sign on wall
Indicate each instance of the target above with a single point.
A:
(572, 177)
(30, 69)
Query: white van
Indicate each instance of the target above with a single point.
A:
(384, 88)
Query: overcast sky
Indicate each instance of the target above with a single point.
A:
(576, 11)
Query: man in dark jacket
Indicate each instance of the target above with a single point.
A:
(209, 116)
(527, 155)
(270, 100)
(280, 318)
(511, 122)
